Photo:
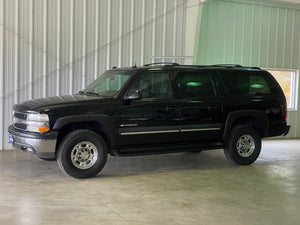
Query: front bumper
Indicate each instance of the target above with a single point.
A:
(42, 145)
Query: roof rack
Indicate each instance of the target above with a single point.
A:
(162, 63)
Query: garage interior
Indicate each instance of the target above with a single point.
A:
(50, 48)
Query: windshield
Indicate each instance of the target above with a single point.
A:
(107, 84)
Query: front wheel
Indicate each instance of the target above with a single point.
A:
(244, 145)
(82, 154)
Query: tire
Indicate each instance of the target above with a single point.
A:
(82, 154)
(243, 146)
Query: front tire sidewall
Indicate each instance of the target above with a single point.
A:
(65, 149)
(231, 149)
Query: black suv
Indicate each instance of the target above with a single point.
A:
(156, 108)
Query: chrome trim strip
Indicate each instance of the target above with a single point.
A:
(200, 129)
(151, 132)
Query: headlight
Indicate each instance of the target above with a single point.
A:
(37, 122)
(33, 122)
(38, 117)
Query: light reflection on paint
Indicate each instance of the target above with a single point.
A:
(193, 84)
(257, 86)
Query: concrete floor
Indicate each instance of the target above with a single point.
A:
(185, 188)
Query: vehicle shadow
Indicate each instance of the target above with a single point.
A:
(25, 166)
(163, 163)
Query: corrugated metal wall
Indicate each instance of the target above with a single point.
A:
(57, 47)
(251, 34)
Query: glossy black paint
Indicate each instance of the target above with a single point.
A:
(153, 126)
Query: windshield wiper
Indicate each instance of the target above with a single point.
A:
(92, 93)
(89, 93)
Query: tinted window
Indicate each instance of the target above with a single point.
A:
(247, 82)
(194, 84)
(154, 85)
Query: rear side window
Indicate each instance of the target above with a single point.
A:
(194, 84)
(248, 82)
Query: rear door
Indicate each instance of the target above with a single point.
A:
(199, 108)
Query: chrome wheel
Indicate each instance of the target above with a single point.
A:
(84, 155)
(245, 146)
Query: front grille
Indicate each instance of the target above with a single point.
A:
(22, 116)
(20, 126)
(19, 120)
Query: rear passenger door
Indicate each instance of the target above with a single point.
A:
(199, 108)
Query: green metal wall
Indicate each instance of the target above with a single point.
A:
(249, 34)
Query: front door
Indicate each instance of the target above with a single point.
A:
(153, 119)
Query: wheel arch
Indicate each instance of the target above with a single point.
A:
(101, 125)
(255, 118)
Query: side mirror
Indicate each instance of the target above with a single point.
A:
(133, 94)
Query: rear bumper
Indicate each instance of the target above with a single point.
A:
(41, 145)
(286, 130)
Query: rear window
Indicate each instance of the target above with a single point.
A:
(248, 82)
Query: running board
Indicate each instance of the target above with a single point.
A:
(150, 150)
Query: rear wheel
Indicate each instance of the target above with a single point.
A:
(82, 154)
(244, 145)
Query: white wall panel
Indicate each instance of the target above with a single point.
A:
(56, 47)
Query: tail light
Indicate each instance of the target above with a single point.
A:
(285, 111)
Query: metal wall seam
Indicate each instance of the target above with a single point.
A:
(45, 49)
(182, 44)
(131, 34)
(108, 34)
(292, 40)
(143, 32)
(16, 52)
(260, 34)
(30, 54)
(58, 39)
(120, 33)
(299, 52)
(276, 39)
(252, 37)
(164, 29)
(174, 29)
(268, 38)
(284, 39)
(84, 25)
(153, 29)
(234, 38)
(96, 39)
(2, 95)
(71, 46)
(243, 36)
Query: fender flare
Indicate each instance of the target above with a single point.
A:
(104, 120)
(233, 116)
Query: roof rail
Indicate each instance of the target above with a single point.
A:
(228, 65)
(162, 63)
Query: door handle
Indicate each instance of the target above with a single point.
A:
(212, 107)
(172, 108)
